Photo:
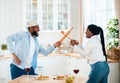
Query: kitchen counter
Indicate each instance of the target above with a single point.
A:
(5, 57)
(64, 64)
(113, 61)
(58, 54)
(32, 79)
(78, 56)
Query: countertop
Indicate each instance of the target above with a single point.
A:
(5, 57)
(32, 79)
(58, 54)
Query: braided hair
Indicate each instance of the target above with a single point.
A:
(98, 30)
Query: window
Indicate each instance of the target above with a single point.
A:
(50, 14)
(31, 10)
(102, 11)
(98, 12)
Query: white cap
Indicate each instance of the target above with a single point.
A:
(32, 23)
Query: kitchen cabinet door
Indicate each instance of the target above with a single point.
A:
(52, 65)
(62, 65)
(5, 70)
(114, 75)
(84, 67)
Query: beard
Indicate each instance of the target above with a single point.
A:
(35, 34)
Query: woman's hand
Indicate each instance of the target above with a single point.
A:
(57, 44)
(74, 42)
(16, 59)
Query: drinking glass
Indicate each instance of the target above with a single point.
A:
(76, 71)
(27, 70)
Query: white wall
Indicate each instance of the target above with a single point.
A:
(75, 18)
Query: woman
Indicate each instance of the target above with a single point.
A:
(95, 53)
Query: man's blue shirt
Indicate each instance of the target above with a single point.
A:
(19, 43)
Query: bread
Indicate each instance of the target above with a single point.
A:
(41, 77)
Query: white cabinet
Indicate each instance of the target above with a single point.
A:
(5, 70)
(114, 75)
(52, 65)
(62, 65)
(73, 63)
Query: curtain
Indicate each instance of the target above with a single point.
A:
(81, 21)
(117, 10)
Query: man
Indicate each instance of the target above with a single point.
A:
(25, 48)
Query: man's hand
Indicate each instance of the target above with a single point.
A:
(16, 59)
(74, 42)
(57, 44)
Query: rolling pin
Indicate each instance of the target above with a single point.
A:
(66, 34)
(62, 32)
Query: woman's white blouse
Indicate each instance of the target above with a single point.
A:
(92, 51)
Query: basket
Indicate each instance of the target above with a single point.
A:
(113, 53)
